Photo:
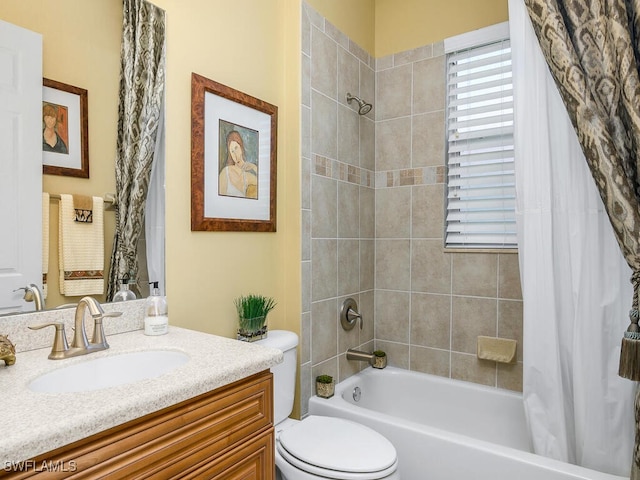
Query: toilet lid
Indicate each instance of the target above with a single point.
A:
(345, 448)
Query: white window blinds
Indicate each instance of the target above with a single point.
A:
(480, 160)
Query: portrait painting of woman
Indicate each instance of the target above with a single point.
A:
(54, 138)
(238, 176)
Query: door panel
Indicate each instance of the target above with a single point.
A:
(20, 164)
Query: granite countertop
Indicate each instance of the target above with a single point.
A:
(35, 423)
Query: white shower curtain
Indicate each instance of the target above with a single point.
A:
(575, 282)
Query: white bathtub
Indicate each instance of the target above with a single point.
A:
(446, 429)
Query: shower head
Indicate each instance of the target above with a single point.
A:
(363, 107)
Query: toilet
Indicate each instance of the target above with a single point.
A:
(320, 447)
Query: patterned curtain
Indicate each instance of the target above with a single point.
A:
(141, 91)
(592, 49)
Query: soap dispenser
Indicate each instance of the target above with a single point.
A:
(156, 320)
(124, 293)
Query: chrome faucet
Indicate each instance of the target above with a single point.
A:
(80, 345)
(32, 293)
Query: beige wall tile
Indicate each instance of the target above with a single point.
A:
(305, 239)
(431, 320)
(348, 77)
(393, 92)
(475, 274)
(305, 280)
(428, 139)
(393, 144)
(430, 360)
(368, 89)
(348, 338)
(367, 143)
(324, 71)
(324, 332)
(348, 266)
(392, 316)
(510, 376)
(348, 367)
(324, 269)
(470, 369)
(393, 212)
(397, 353)
(367, 264)
(429, 85)
(510, 322)
(509, 284)
(306, 390)
(324, 198)
(305, 338)
(367, 212)
(305, 132)
(306, 81)
(348, 210)
(392, 264)
(471, 317)
(324, 125)
(366, 306)
(427, 211)
(430, 267)
(348, 136)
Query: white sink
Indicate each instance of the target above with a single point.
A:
(111, 371)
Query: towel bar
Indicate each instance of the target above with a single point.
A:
(108, 198)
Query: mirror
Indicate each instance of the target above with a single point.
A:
(86, 54)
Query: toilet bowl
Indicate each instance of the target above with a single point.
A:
(319, 447)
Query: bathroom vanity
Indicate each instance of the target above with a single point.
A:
(211, 417)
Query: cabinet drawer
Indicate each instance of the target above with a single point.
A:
(190, 433)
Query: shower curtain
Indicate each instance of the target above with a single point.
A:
(575, 282)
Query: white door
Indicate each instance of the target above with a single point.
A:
(20, 164)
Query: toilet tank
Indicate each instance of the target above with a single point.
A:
(284, 374)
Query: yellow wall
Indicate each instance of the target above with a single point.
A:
(81, 47)
(383, 27)
(355, 18)
(252, 46)
(403, 25)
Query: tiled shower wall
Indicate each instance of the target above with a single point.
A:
(338, 200)
(373, 216)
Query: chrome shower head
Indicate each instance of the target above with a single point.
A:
(363, 107)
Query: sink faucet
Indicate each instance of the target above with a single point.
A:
(32, 293)
(80, 345)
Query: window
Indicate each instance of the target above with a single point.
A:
(480, 156)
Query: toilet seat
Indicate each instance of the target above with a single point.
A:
(337, 448)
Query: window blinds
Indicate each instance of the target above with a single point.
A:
(480, 159)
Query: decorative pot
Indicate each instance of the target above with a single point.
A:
(379, 362)
(252, 334)
(325, 390)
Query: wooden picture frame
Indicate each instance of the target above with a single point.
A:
(233, 159)
(65, 140)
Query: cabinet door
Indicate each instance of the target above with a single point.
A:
(252, 461)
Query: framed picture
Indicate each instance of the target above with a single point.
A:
(65, 130)
(233, 159)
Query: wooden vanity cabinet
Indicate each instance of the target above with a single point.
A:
(224, 434)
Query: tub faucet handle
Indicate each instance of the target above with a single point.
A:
(349, 314)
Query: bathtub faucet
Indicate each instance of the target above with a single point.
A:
(360, 356)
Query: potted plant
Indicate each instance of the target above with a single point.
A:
(379, 359)
(325, 386)
(252, 316)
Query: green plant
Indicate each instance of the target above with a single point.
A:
(324, 379)
(379, 353)
(253, 310)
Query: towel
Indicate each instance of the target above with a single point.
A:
(81, 250)
(45, 242)
(83, 208)
(501, 350)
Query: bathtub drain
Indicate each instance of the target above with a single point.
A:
(356, 394)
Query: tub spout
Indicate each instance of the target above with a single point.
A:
(360, 356)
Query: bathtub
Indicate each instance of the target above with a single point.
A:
(447, 429)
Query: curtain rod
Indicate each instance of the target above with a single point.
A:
(108, 198)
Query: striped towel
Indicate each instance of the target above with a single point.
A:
(81, 250)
